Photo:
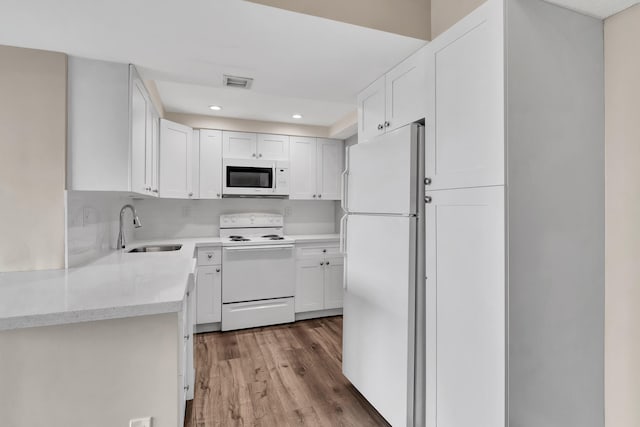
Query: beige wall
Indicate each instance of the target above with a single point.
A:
(622, 247)
(33, 89)
(445, 13)
(406, 17)
(225, 123)
(98, 374)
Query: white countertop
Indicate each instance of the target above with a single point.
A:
(117, 285)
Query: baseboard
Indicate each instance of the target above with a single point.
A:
(319, 313)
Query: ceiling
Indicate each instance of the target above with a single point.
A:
(598, 8)
(301, 64)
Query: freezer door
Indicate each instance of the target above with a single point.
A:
(378, 325)
(382, 175)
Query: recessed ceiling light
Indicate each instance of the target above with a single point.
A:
(297, 116)
(215, 107)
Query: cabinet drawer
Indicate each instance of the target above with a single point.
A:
(317, 251)
(209, 256)
(250, 314)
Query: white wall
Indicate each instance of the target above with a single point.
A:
(92, 224)
(171, 218)
(33, 96)
(622, 249)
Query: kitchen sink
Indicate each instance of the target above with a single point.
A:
(155, 248)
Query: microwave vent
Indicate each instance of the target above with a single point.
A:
(238, 82)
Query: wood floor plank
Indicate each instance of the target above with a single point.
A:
(285, 375)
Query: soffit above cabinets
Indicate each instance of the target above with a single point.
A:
(597, 8)
(301, 62)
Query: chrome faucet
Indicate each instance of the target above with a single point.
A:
(136, 224)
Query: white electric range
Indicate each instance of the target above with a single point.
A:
(258, 274)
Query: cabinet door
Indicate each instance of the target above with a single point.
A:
(239, 145)
(465, 299)
(209, 295)
(371, 115)
(140, 137)
(333, 280)
(405, 88)
(273, 147)
(210, 164)
(155, 152)
(310, 285)
(175, 160)
(302, 169)
(465, 93)
(330, 164)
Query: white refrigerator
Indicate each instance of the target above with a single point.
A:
(383, 242)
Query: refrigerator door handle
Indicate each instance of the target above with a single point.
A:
(343, 248)
(344, 182)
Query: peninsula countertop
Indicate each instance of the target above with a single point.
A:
(117, 285)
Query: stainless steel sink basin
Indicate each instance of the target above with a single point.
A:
(155, 248)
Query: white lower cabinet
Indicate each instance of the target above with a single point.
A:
(465, 300)
(209, 294)
(209, 285)
(319, 278)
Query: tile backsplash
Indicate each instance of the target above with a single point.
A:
(171, 218)
(92, 224)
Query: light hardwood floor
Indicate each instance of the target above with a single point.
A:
(288, 375)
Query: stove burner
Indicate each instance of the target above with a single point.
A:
(276, 238)
(269, 236)
(238, 239)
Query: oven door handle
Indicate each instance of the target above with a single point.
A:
(257, 248)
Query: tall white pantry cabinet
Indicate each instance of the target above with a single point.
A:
(514, 287)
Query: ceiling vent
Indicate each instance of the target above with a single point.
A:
(239, 82)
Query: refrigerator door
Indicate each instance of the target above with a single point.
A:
(379, 312)
(382, 175)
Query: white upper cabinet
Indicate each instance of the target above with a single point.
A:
(329, 167)
(112, 129)
(245, 145)
(272, 147)
(302, 168)
(371, 106)
(395, 99)
(144, 166)
(316, 166)
(239, 145)
(209, 161)
(405, 86)
(465, 87)
(176, 160)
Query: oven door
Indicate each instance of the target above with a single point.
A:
(257, 272)
(249, 178)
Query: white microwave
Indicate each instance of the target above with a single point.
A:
(247, 177)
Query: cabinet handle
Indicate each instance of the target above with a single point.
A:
(322, 263)
(155, 190)
(427, 181)
(427, 199)
(319, 196)
(217, 270)
(209, 256)
(324, 251)
(186, 387)
(380, 127)
(327, 262)
(314, 196)
(260, 155)
(217, 194)
(253, 155)
(186, 337)
(190, 194)
(387, 124)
